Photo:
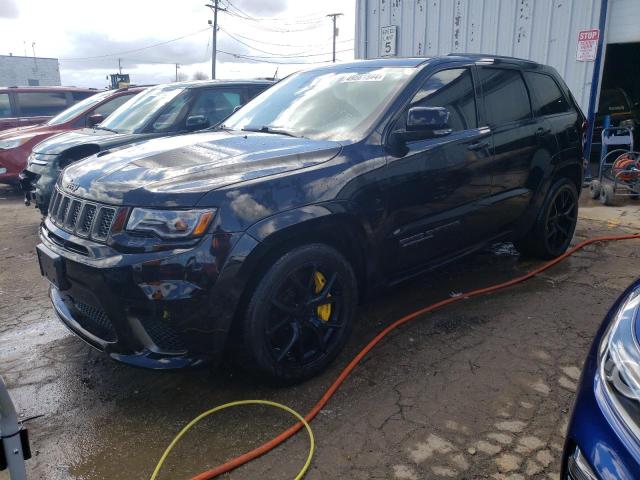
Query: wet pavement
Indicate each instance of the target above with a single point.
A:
(481, 389)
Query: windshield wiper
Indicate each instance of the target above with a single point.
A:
(274, 130)
(100, 127)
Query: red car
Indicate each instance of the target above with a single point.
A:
(16, 143)
(23, 106)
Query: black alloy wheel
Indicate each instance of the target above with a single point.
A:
(561, 220)
(300, 315)
(555, 223)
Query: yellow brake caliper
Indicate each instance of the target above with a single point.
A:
(323, 311)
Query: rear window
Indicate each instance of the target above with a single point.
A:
(41, 104)
(5, 106)
(505, 95)
(77, 96)
(547, 97)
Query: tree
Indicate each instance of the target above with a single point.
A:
(200, 76)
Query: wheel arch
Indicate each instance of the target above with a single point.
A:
(78, 153)
(314, 224)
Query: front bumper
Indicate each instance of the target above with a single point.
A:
(161, 310)
(605, 443)
(38, 180)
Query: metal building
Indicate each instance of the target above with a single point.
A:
(18, 71)
(574, 36)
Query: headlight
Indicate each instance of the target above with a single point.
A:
(170, 224)
(620, 359)
(14, 142)
(627, 123)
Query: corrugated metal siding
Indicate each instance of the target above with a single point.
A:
(545, 31)
(624, 21)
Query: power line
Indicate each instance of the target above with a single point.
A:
(289, 44)
(257, 23)
(134, 50)
(233, 37)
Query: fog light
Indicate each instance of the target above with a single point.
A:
(579, 468)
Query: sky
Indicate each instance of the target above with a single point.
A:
(258, 36)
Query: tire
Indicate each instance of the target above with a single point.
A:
(607, 195)
(286, 333)
(555, 223)
(594, 189)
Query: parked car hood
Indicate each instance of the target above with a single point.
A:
(177, 171)
(31, 130)
(104, 139)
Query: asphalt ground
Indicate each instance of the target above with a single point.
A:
(481, 389)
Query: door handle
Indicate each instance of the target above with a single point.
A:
(478, 146)
(543, 131)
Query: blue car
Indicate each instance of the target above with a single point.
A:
(603, 439)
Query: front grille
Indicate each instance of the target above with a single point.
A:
(95, 321)
(80, 217)
(163, 335)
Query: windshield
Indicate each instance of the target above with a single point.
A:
(78, 108)
(134, 115)
(322, 104)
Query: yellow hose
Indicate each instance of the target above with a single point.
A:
(182, 432)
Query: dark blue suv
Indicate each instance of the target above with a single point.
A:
(603, 439)
(333, 184)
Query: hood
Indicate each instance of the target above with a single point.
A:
(177, 171)
(31, 130)
(104, 139)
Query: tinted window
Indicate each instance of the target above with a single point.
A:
(36, 104)
(216, 104)
(5, 106)
(547, 97)
(505, 95)
(107, 108)
(256, 90)
(453, 90)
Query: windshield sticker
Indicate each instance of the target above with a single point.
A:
(364, 77)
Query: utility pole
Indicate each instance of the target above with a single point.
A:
(120, 66)
(177, 67)
(334, 16)
(214, 46)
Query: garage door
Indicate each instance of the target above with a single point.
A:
(624, 21)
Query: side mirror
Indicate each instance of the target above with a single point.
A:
(94, 119)
(432, 121)
(196, 122)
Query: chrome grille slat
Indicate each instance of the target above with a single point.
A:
(64, 208)
(72, 216)
(80, 217)
(54, 206)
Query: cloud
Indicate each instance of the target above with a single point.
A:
(261, 7)
(89, 50)
(8, 9)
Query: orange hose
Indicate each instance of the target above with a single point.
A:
(274, 442)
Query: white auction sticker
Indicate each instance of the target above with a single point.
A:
(364, 77)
